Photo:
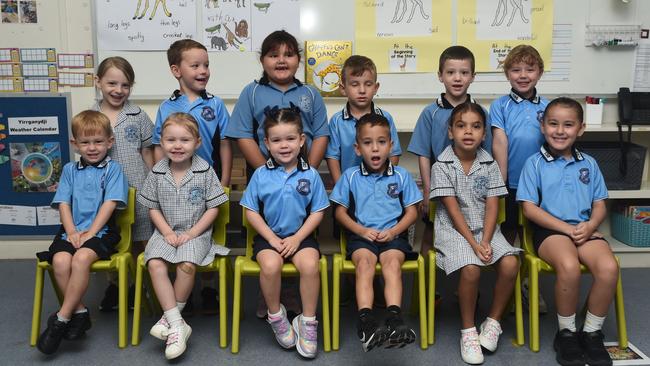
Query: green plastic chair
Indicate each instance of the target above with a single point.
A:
(120, 262)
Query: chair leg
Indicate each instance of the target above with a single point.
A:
(336, 299)
(38, 305)
(424, 340)
(533, 308)
(236, 308)
(137, 304)
(519, 318)
(223, 303)
(325, 291)
(620, 312)
(431, 298)
(123, 306)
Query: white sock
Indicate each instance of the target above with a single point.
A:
(468, 330)
(61, 319)
(275, 315)
(593, 322)
(174, 317)
(84, 310)
(567, 322)
(308, 318)
(180, 305)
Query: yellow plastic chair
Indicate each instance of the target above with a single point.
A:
(246, 266)
(535, 265)
(431, 263)
(120, 262)
(342, 265)
(220, 264)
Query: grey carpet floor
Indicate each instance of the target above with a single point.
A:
(258, 346)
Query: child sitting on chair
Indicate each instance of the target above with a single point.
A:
(562, 193)
(89, 191)
(376, 204)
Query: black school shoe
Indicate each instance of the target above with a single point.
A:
(77, 326)
(51, 337)
(399, 334)
(567, 347)
(594, 349)
(369, 332)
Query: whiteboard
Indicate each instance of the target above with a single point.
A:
(598, 71)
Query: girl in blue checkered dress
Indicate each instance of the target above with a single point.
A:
(182, 194)
(467, 183)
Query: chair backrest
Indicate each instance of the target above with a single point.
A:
(527, 239)
(250, 234)
(501, 214)
(124, 220)
(222, 220)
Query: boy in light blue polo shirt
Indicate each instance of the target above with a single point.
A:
(192, 98)
(88, 192)
(359, 84)
(377, 203)
(562, 192)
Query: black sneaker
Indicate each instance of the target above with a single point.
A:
(369, 332)
(50, 339)
(399, 334)
(209, 301)
(77, 326)
(568, 351)
(109, 302)
(594, 349)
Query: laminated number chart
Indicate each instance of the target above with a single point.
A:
(37, 55)
(11, 85)
(9, 55)
(75, 60)
(39, 69)
(76, 78)
(40, 85)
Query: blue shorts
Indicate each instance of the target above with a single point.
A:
(355, 242)
(259, 244)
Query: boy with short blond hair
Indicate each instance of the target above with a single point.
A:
(376, 202)
(359, 84)
(88, 193)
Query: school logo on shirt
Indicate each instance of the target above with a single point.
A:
(584, 176)
(305, 103)
(392, 190)
(195, 196)
(540, 116)
(480, 186)
(303, 187)
(131, 133)
(207, 113)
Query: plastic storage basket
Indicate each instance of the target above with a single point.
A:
(609, 157)
(629, 231)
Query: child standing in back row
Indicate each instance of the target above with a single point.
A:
(467, 182)
(132, 149)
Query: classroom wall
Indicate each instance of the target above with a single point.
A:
(72, 31)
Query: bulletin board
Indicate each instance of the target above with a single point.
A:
(35, 131)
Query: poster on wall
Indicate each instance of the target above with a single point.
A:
(35, 167)
(129, 25)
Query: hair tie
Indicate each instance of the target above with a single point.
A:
(271, 113)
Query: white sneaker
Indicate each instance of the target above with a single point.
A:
(490, 332)
(160, 329)
(470, 348)
(307, 334)
(177, 341)
(283, 330)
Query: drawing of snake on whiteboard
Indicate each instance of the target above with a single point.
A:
(153, 12)
(499, 15)
(403, 5)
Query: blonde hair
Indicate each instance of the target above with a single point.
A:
(523, 53)
(184, 120)
(89, 122)
(119, 63)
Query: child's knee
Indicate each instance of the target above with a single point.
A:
(470, 273)
(83, 258)
(187, 268)
(510, 265)
(568, 269)
(365, 264)
(61, 261)
(271, 265)
(156, 265)
(607, 270)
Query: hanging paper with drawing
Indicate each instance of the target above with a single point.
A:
(226, 24)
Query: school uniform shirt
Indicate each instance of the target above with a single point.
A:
(182, 206)
(520, 119)
(285, 199)
(565, 188)
(379, 200)
(343, 134)
(133, 132)
(448, 179)
(86, 187)
(248, 115)
(430, 136)
(210, 113)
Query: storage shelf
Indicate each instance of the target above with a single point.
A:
(611, 127)
(644, 192)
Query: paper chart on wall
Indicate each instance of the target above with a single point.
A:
(242, 25)
(491, 28)
(403, 35)
(129, 25)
